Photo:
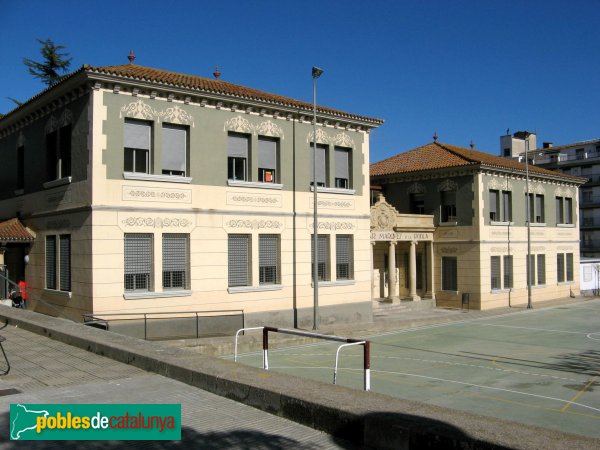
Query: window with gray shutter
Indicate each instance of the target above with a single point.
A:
(495, 272)
(449, 273)
(541, 269)
(494, 198)
(344, 257)
(508, 272)
(560, 267)
(268, 259)
(321, 165)
(539, 209)
(506, 206)
(65, 262)
(239, 259)
(342, 168)
(176, 260)
(530, 268)
(560, 218)
(568, 210)
(137, 143)
(174, 150)
(569, 257)
(51, 262)
(322, 257)
(138, 261)
(267, 160)
(237, 156)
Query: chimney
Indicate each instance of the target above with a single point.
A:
(547, 144)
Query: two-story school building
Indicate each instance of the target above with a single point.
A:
(148, 191)
(451, 224)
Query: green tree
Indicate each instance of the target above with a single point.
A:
(54, 61)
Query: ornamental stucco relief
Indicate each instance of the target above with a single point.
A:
(332, 226)
(269, 128)
(383, 216)
(417, 188)
(322, 137)
(66, 118)
(447, 185)
(51, 124)
(238, 124)
(563, 192)
(139, 110)
(156, 222)
(499, 184)
(177, 115)
(254, 224)
(343, 140)
(535, 188)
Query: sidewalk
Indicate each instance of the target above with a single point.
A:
(47, 371)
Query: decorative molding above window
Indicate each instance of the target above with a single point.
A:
(447, 185)
(333, 226)
(238, 124)
(156, 222)
(343, 140)
(535, 188)
(66, 118)
(139, 110)
(51, 124)
(269, 128)
(322, 137)
(563, 192)
(20, 139)
(499, 185)
(417, 188)
(177, 115)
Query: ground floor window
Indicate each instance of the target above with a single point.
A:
(239, 259)
(268, 259)
(322, 256)
(344, 257)
(138, 261)
(508, 272)
(564, 267)
(58, 262)
(176, 260)
(449, 273)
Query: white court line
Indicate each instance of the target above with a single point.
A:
(589, 336)
(533, 329)
(455, 382)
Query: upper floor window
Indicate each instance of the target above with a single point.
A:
(138, 146)
(174, 150)
(342, 168)
(321, 176)
(237, 157)
(267, 160)
(448, 206)
(417, 203)
(58, 153)
(536, 208)
(21, 167)
(564, 210)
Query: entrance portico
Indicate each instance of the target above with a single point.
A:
(401, 241)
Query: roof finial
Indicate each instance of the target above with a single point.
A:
(131, 57)
(435, 136)
(507, 131)
(471, 144)
(216, 73)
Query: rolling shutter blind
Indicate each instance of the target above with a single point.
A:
(321, 164)
(239, 259)
(268, 251)
(175, 252)
(267, 154)
(138, 253)
(174, 148)
(65, 262)
(51, 262)
(344, 257)
(237, 146)
(137, 135)
(342, 166)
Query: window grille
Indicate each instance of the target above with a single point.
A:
(65, 262)
(342, 167)
(541, 269)
(508, 272)
(51, 262)
(174, 150)
(495, 272)
(268, 259)
(449, 273)
(344, 257)
(322, 257)
(267, 160)
(560, 267)
(176, 261)
(138, 261)
(239, 259)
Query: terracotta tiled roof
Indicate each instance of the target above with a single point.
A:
(135, 72)
(13, 230)
(437, 155)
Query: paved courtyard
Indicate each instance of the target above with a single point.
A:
(539, 367)
(47, 371)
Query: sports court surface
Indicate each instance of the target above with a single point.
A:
(539, 366)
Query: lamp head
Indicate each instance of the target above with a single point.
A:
(316, 72)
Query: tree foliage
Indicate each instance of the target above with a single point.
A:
(55, 60)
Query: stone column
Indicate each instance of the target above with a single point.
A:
(430, 272)
(392, 294)
(412, 267)
(373, 287)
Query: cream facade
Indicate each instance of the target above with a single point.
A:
(180, 200)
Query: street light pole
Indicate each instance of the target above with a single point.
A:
(529, 268)
(316, 73)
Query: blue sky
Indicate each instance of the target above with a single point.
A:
(466, 69)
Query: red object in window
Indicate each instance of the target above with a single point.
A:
(23, 288)
(268, 176)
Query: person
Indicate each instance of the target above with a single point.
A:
(17, 299)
